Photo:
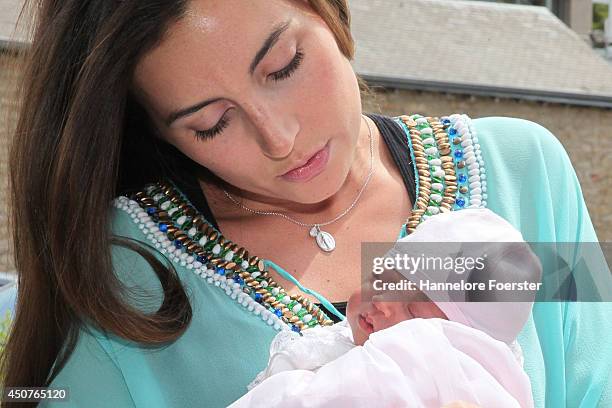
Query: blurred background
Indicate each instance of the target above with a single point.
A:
(549, 61)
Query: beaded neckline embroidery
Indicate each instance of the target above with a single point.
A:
(450, 175)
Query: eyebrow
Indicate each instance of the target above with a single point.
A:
(263, 51)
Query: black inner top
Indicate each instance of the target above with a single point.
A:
(396, 141)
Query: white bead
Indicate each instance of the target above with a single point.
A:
(435, 162)
(483, 176)
(229, 256)
(473, 166)
(434, 210)
(244, 264)
(470, 160)
(466, 143)
(172, 211)
(184, 256)
(286, 300)
(439, 173)
(255, 274)
(216, 249)
(192, 231)
(426, 131)
(475, 202)
(307, 318)
(165, 205)
(468, 149)
(296, 308)
(476, 191)
(189, 266)
(275, 291)
(420, 121)
(264, 284)
(183, 263)
(429, 140)
(431, 150)
(475, 184)
(277, 326)
(437, 186)
(181, 220)
(436, 197)
(202, 241)
(474, 172)
(475, 197)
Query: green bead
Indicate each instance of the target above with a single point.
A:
(291, 304)
(188, 224)
(302, 312)
(312, 323)
(437, 180)
(210, 245)
(176, 215)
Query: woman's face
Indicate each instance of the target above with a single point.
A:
(275, 108)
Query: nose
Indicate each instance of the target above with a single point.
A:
(276, 129)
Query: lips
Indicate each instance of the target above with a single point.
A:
(365, 325)
(310, 168)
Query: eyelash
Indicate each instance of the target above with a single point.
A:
(276, 76)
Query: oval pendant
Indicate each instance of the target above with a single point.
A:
(325, 241)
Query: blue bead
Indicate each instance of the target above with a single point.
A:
(458, 154)
(201, 259)
(221, 271)
(452, 131)
(462, 178)
(446, 121)
(295, 328)
(238, 280)
(151, 210)
(163, 227)
(460, 202)
(178, 244)
(258, 297)
(278, 312)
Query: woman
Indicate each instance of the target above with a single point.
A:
(221, 101)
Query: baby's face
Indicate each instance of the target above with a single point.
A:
(366, 316)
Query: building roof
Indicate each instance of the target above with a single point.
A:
(9, 11)
(478, 48)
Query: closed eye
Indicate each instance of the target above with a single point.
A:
(276, 76)
(289, 69)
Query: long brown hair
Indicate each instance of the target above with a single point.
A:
(77, 144)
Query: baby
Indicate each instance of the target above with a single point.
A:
(426, 348)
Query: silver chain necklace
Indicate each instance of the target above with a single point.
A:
(324, 239)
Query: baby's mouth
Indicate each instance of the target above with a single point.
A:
(365, 325)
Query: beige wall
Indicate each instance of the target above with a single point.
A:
(7, 103)
(586, 134)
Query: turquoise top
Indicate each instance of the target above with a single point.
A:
(531, 183)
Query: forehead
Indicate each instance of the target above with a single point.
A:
(213, 43)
